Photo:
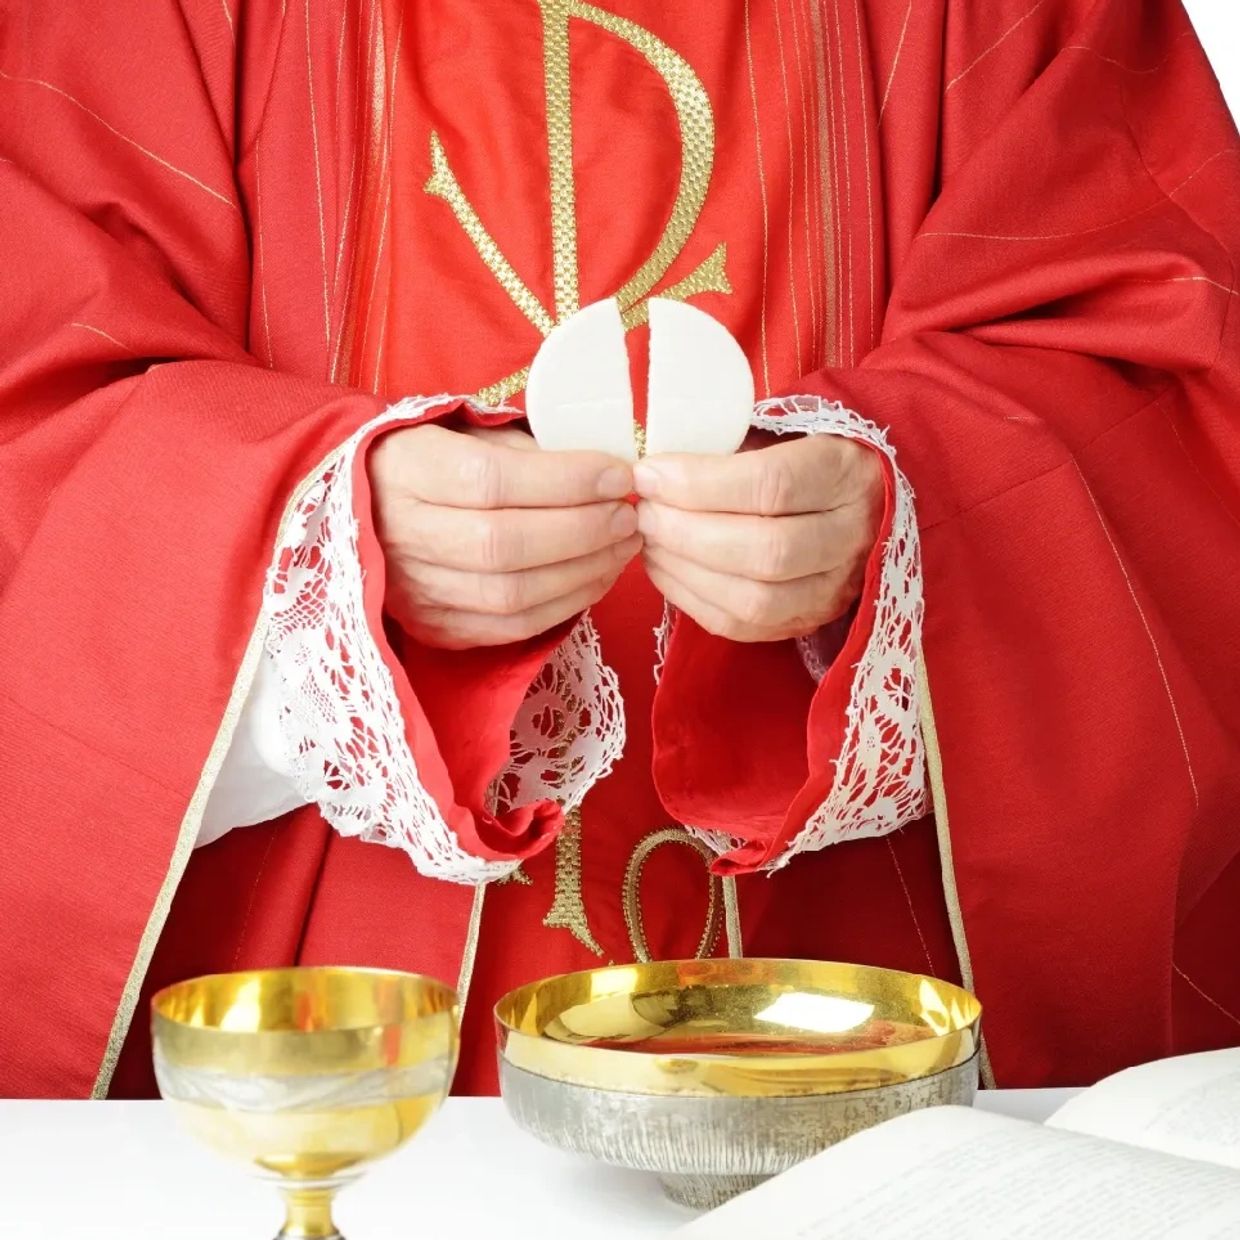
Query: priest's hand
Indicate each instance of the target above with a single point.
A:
(767, 544)
(489, 540)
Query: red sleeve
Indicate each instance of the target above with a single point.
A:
(749, 744)
(458, 708)
(147, 459)
(1058, 371)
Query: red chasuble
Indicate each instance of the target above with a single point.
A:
(233, 232)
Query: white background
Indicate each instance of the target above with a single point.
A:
(1218, 24)
(126, 1171)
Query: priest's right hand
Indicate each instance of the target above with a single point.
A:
(489, 540)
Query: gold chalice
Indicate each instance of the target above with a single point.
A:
(307, 1075)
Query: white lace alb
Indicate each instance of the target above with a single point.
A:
(341, 718)
(569, 731)
(342, 724)
(880, 773)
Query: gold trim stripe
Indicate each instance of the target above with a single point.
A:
(137, 146)
(262, 253)
(912, 908)
(766, 215)
(1119, 64)
(318, 184)
(369, 94)
(1149, 632)
(377, 187)
(383, 89)
(186, 838)
(826, 195)
(1007, 34)
(390, 117)
(895, 63)
(792, 198)
(345, 11)
(850, 339)
(1158, 204)
(1214, 1003)
(872, 333)
(942, 826)
(342, 240)
(98, 331)
(187, 835)
(469, 955)
(732, 919)
(806, 189)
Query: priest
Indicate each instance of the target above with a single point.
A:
(308, 655)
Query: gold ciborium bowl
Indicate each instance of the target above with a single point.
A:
(716, 1074)
(307, 1075)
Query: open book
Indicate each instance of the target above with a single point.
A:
(1152, 1153)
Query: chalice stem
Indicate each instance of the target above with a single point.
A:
(308, 1213)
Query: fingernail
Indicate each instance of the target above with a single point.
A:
(647, 519)
(646, 480)
(615, 483)
(624, 522)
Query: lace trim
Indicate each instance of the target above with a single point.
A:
(345, 734)
(811, 657)
(662, 635)
(570, 730)
(880, 773)
(341, 718)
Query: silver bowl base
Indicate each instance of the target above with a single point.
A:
(705, 1192)
(707, 1150)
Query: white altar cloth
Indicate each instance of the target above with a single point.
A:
(125, 1171)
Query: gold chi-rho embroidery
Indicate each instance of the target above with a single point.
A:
(696, 130)
(696, 124)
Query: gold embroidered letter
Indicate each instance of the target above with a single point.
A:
(696, 123)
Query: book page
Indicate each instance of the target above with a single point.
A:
(1188, 1106)
(949, 1173)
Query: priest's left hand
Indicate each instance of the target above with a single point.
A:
(768, 544)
